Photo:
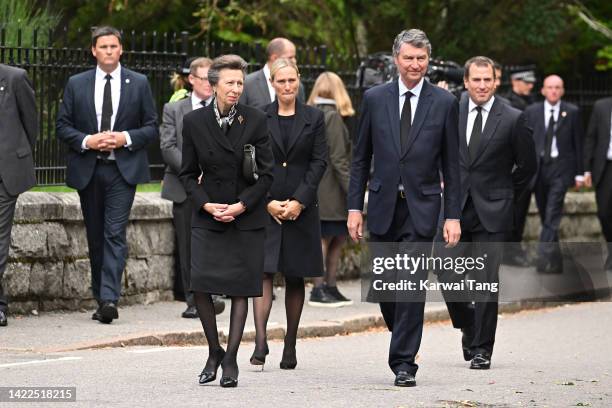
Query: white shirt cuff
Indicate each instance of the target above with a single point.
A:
(128, 139)
(579, 179)
(84, 143)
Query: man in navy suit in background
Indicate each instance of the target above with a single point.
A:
(409, 128)
(107, 118)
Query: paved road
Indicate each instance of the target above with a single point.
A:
(557, 357)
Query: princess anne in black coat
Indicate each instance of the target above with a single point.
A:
(229, 218)
(293, 239)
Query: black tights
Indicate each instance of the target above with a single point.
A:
(294, 302)
(206, 310)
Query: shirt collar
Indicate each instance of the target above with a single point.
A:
(115, 74)
(485, 107)
(266, 71)
(416, 91)
(548, 106)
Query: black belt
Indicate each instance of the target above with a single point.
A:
(104, 160)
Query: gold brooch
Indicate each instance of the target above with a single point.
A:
(240, 119)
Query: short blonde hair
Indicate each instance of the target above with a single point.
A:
(281, 63)
(329, 85)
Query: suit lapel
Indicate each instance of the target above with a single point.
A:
(215, 129)
(263, 86)
(299, 122)
(394, 116)
(463, 115)
(607, 112)
(236, 131)
(562, 117)
(489, 129)
(89, 93)
(124, 99)
(425, 100)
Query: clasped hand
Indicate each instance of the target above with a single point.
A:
(106, 141)
(284, 210)
(224, 212)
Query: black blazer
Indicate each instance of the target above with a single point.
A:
(219, 157)
(433, 148)
(569, 137)
(597, 139)
(297, 173)
(77, 119)
(506, 144)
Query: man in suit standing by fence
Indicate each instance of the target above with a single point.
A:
(18, 132)
(107, 118)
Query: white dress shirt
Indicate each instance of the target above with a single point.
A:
(414, 99)
(554, 151)
(115, 83)
(196, 102)
(266, 71)
(472, 113)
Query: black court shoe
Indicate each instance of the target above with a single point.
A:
(227, 381)
(289, 360)
(259, 356)
(208, 376)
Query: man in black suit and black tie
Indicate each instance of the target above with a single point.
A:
(408, 127)
(557, 131)
(107, 118)
(494, 140)
(18, 133)
(258, 91)
(598, 167)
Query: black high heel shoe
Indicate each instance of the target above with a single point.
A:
(208, 376)
(259, 356)
(289, 360)
(227, 381)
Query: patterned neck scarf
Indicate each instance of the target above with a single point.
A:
(224, 121)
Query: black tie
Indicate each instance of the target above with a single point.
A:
(107, 106)
(405, 121)
(203, 103)
(476, 134)
(550, 131)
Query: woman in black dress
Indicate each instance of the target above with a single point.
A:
(293, 239)
(229, 217)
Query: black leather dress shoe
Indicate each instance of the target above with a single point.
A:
(466, 341)
(107, 312)
(404, 379)
(3, 319)
(190, 313)
(480, 362)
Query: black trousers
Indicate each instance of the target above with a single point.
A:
(106, 203)
(7, 211)
(181, 213)
(603, 195)
(403, 319)
(551, 187)
(484, 312)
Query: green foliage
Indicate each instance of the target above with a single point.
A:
(604, 59)
(26, 15)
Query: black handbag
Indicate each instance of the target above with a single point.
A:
(249, 165)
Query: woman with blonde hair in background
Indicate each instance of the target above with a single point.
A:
(329, 95)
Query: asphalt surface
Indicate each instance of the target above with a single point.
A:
(556, 357)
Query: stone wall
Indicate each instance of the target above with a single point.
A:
(48, 260)
(49, 267)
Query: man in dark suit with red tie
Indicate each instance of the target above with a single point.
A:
(557, 131)
(408, 127)
(107, 118)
